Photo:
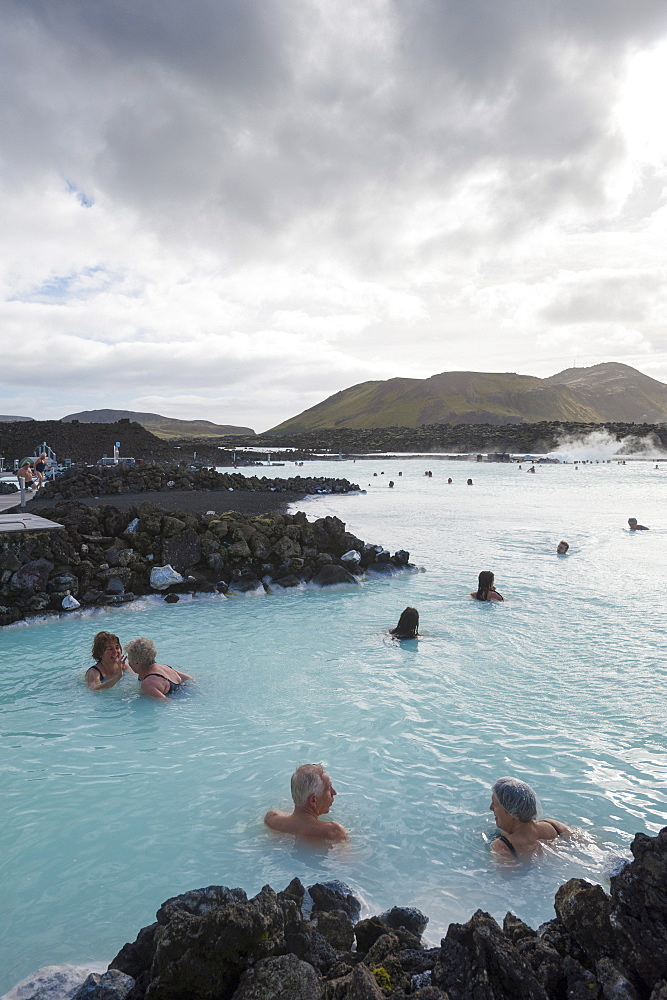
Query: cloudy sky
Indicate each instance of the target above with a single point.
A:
(230, 209)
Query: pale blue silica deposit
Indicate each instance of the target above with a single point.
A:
(112, 803)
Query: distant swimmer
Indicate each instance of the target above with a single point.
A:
(470, 482)
(532, 469)
(632, 521)
(562, 548)
(485, 589)
(110, 663)
(157, 680)
(450, 480)
(514, 806)
(391, 484)
(313, 795)
(408, 625)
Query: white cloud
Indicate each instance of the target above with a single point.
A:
(278, 201)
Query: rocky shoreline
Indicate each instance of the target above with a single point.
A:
(216, 944)
(96, 482)
(105, 556)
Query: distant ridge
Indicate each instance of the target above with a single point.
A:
(163, 427)
(603, 393)
(13, 420)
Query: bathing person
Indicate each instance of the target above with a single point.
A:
(449, 480)
(25, 473)
(485, 589)
(408, 625)
(562, 548)
(470, 482)
(514, 805)
(157, 680)
(632, 521)
(110, 663)
(313, 795)
(41, 466)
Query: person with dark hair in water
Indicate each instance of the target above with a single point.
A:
(514, 806)
(110, 663)
(408, 625)
(562, 548)
(485, 589)
(632, 522)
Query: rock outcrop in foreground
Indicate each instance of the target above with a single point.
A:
(216, 944)
(105, 557)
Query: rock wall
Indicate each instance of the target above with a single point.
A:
(104, 556)
(216, 944)
(145, 478)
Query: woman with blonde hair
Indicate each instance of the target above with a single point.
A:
(157, 680)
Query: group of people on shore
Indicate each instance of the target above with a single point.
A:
(32, 478)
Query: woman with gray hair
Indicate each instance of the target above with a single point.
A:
(514, 805)
(157, 680)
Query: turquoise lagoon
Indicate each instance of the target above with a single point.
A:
(112, 803)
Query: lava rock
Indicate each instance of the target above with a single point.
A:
(278, 978)
(329, 576)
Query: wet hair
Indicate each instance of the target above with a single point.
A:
(484, 584)
(307, 780)
(517, 798)
(408, 625)
(566, 544)
(632, 520)
(141, 652)
(100, 643)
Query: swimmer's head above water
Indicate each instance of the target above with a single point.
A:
(562, 548)
(408, 625)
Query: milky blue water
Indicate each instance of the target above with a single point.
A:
(112, 802)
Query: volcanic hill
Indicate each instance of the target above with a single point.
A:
(602, 393)
(166, 428)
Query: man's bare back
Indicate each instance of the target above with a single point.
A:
(313, 795)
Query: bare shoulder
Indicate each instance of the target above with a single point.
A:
(334, 831)
(498, 847)
(563, 830)
(275, 819)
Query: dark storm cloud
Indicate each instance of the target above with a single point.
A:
(239, 121)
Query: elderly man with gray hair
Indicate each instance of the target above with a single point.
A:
(514, 805)
(313, 795)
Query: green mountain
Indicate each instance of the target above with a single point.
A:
(166, 428)
(606, 392)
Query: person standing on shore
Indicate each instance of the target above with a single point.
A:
(41, 465)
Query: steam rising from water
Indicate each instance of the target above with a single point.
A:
(601, 446)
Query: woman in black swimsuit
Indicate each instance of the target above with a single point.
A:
(514, 805)
(157, 680)
(110, 665)
(485, 589)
